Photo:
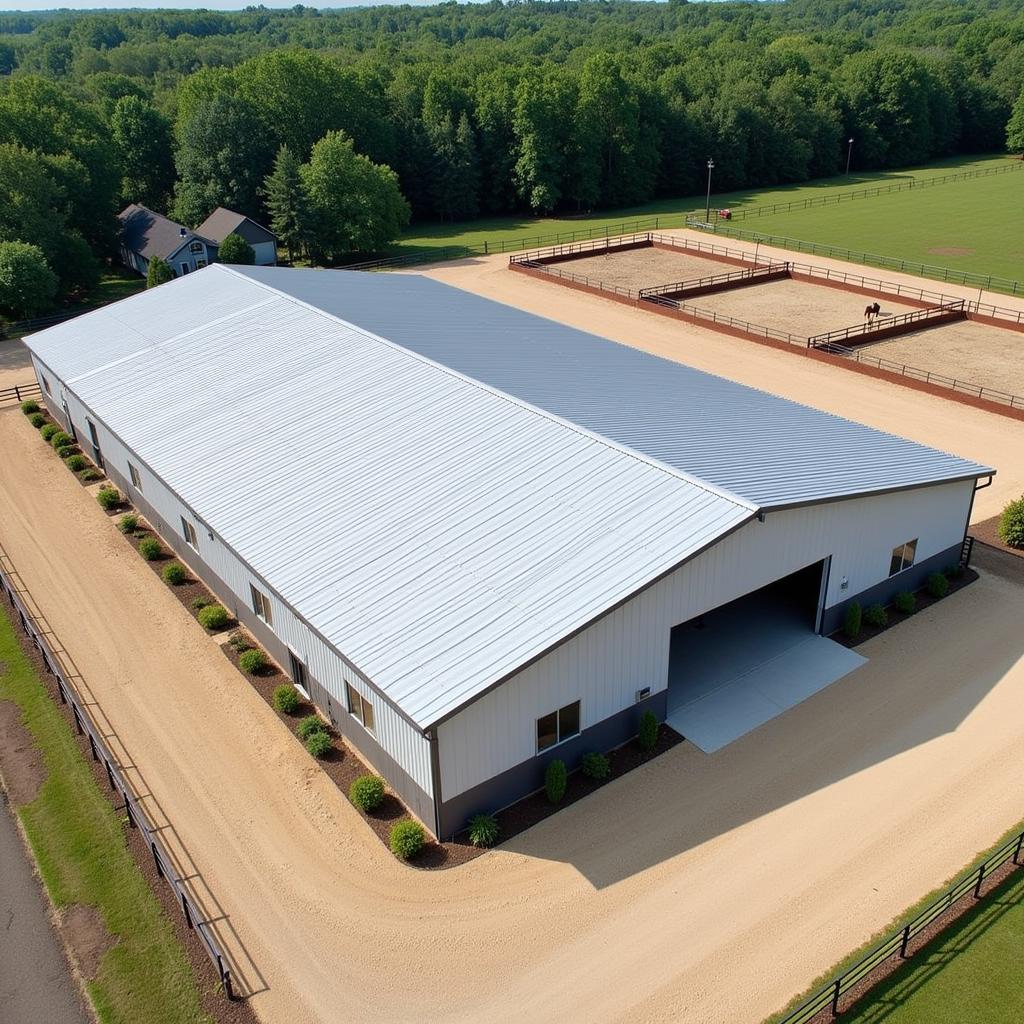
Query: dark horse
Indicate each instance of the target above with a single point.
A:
(870, 312)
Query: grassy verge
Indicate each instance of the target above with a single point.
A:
(893, 926)
(80, 849)
(509, 229)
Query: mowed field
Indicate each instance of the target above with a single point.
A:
(975, 226)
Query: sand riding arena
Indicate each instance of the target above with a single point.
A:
(946, 345)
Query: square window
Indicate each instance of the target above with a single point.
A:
(902, 557)
(261, 605)
(909, 551)
(354, 700)
(134, 474)
(200, 264)
(367, 714)
(547, 731)
(189, 533)
(569, 721)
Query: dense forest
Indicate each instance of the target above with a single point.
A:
(338, 126)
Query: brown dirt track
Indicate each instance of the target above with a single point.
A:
(646, 268)
(686, 891)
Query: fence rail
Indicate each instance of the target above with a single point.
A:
(917, 316)
(828, 998)
(137, 817)
(679, 287)
(20, 392)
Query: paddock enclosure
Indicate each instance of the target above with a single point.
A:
(945, 344)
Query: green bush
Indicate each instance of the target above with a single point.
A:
(252, 661)
(150, 549)
(213, 616)
(905, 602)
(319, 744)
(406, 839)
(596, 766)
(239, 641)
(309, 725)
(200, 602)
(937, 585)
(647, 736)
(875, 615)
(367, 792)
(48, 431)
(61, 439)
(483, 830)
(174, 573)
(108, 497)
(128, 523)
(1011, 524)
(853, 620)
(37, 419)
(76, 463)
(286, 699)
(66, 451)
(29, 407)
(555, 780)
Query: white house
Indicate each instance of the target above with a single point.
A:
(480, 539)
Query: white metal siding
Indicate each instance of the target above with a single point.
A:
(404, 743)
(606, 664)
(266, 253)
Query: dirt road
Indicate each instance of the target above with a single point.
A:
(698, 889)
(985, 437)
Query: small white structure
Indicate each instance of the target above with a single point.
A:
(223, 222)
(479, 539)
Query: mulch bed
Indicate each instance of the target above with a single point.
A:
(207, 980)
(987, 531)
(924, 600)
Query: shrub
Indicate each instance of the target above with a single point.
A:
(319, 744)
(29, 407)
(483, 830)
(239, 641)
(954, 572)
(937, 585)
(286, 699)
(76, 463)
(309, 725)
(1011, 524)
(367, 792)
(174, 573)
(406, 839)
(37, 419)
(596, 766)
(213, 616)
(49, 430)
(108, 497)
(875, 615)
(555, 779)
(89, 475)
(66, 451)
(150, 549)
(853, 620)
(252, 661)
(647, 736)
(128, 523)
(905, 602)
(61, 439)
(200, 602)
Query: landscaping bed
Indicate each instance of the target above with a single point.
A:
(987, 532)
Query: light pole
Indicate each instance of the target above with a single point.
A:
(707, 207)
(849, 153)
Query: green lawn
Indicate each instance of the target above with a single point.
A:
(472, 234)
(975, 225)
(969, 975)
(80, 849)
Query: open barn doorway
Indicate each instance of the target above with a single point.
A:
(741, 664)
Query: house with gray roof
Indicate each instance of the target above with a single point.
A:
(145, 234)
(223, 222)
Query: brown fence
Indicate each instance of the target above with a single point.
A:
(891, 326)
(20, 392)
(134, 811)
(718, 282)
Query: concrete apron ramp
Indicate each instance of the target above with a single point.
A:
(734, 675)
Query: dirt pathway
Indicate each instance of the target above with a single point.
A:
(697, 889)
(972, 433)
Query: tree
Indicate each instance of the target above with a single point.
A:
(356, 204)
(1015, 127)
(223, 156)
(455, 175)
(142, 136)
(542, 115)
(235, 249)
(286, 200)
(27, 284)
(158, 272)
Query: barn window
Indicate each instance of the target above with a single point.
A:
(261, 606)
(136, 479)
(902, 557)
(359, 707)
(46, 384)
(558, 726)
(196, 247)
(189, 533)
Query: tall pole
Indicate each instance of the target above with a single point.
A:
(707, 207)
(849, 153)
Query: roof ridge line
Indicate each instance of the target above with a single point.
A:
(648, 460)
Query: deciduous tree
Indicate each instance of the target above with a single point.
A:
(27, 284)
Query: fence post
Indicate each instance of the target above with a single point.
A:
(905, 942)
(110, 774)
(835, 997)
(78, 721)
(977, 886)
(1016, 853)
(156, 860)
(185, 909)
(92, 747)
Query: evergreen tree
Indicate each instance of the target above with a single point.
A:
(286, 200)
(455, 177)
(158, 272)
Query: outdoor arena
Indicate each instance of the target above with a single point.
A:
(944, 344)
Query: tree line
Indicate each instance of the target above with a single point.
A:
(338, 127)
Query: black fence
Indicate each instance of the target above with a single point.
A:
(137, 818)
(828, 1001)
(16, 328)
(20, 392)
